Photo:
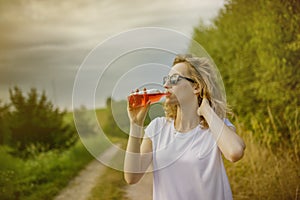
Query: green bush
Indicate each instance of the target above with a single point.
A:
(4, 131)
(10, 170)
(33, 121)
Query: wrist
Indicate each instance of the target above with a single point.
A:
(136, 130)
(136, 123)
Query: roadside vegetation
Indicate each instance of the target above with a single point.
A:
(40, 151)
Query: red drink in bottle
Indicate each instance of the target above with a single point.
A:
(138, 99)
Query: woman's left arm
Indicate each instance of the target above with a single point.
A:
(231, 145)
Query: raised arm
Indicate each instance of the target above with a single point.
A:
(139, 151)
(231, 145)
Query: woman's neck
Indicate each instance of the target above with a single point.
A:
(187, 118)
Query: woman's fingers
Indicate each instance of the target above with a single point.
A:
(204, 102)
(148, 103)
(199, 111)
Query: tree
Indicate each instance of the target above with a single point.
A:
(35, 121)
(4, 131)
(256, 45)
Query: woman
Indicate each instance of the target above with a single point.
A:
(185, 146)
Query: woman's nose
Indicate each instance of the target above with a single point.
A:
(166, 85)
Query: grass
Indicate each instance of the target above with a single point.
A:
(102, 116)
(44, 175)
(263, 173)
(111, 185)
(40, 177)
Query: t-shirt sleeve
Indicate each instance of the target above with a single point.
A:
(152, 129)
(228, 123)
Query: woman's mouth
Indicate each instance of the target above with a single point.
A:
(168, 93)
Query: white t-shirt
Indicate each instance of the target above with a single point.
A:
(187, 166)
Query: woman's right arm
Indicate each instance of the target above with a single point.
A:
(139, 151)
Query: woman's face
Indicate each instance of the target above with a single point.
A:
(183, 91)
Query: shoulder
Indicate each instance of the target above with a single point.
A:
(158, 121)
(155, 125)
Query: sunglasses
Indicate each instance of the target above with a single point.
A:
(173, 79)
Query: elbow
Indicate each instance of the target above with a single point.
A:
(130, 179)
(236, 154)
(235, 157)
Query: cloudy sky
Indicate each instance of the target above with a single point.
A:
(44, 43)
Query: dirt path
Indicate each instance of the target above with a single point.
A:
(141, 190)
(80, 187)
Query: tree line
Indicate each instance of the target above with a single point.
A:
(256, 46)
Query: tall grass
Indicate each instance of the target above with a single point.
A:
(265, 172)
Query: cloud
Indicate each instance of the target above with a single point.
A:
(42, 41)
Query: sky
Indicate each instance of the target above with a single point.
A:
(44, 44)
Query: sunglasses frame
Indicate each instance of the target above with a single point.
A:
(175, 81)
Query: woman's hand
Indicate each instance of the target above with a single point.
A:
(231, 145)
(137, 115)
(204, 104)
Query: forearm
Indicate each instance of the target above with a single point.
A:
(135, 138)
(133, 158)
(231, 145)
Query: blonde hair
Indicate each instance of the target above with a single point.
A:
(203, 72)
